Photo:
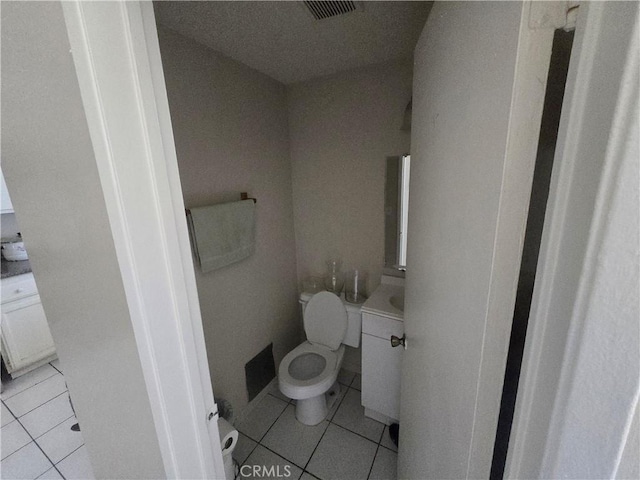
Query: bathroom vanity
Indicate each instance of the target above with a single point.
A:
(382, 318)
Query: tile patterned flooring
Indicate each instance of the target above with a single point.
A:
(37, 440)
(347, 445)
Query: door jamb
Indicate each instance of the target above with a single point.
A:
(117, 57)
(569, 258)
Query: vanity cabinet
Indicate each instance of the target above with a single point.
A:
(26, 339)
(381, 367)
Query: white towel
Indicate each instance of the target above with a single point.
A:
(223, 234)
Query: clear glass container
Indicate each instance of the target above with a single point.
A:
(334, 278)
(313, 284)
(355, 287)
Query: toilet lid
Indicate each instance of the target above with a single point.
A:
(325, 320)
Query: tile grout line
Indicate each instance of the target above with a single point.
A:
(272, 424)
(323, 433)
(275, 396)
(349, 430)
(25, 445)
(387, 448)
(376, 454)
(259, 443)
(35, 408)
(57, 425)
(34, 385)
(329, 422)
(250, 453)
(382, 434)
(285, 459)
(55, 368)
(373, 462)
(10, 413)
(265, 433)
(355, 433)
(314, 450)
(67, 456)
(33, 440)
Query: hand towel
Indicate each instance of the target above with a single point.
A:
(223, 234)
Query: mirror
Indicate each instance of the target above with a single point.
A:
(396, 208)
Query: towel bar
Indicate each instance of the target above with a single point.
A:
(243, 196)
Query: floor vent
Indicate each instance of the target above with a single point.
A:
(259, 371)
(321, 9)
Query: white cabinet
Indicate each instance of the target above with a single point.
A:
(381, 367)
(5, 201)
(26, 339)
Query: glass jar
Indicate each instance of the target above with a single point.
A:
(355, 287)
(334, 279)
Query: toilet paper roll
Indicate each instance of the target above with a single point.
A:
(228, 436)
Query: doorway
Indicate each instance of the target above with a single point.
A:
(556, 81)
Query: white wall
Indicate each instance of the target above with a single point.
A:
(231, 135)
(49, 165)
(342, 129)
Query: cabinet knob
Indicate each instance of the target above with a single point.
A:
(19, 290)
(395, 341)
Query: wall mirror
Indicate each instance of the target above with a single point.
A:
(396, 209)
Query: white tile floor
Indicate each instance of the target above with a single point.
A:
(347, 445)
(37, 440)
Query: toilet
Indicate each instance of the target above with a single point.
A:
(309, 372)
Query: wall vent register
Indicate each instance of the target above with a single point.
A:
(326, 9)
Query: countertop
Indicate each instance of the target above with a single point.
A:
(11, 269)
(378, 303)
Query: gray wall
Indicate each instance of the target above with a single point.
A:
(49, 166)
(343, 127)
(231, 134)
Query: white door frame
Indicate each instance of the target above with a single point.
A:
(117, 58)
(579, 385)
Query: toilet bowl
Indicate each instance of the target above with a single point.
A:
(311, 369)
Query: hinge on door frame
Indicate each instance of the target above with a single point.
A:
(553, 15)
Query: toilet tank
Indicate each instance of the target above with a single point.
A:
(354, 316)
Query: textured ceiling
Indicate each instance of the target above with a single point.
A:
(283, 40)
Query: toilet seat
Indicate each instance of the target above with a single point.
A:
(300, 389)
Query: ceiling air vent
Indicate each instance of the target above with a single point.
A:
(326, 8)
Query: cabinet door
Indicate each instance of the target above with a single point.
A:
(26, 338)
(5, 200)
(381, 371)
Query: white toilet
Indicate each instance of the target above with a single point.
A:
(311, 369)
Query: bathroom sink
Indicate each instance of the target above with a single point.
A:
(397, 301)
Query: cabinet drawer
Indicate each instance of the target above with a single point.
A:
(14, 288)
(382, 327)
